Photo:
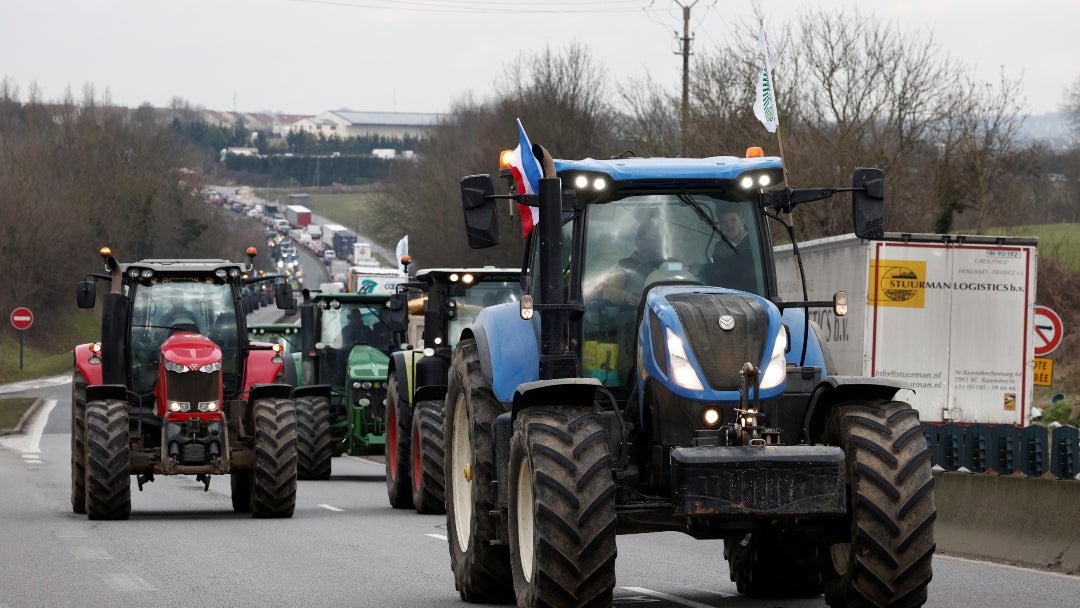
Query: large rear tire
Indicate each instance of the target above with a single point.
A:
(428, 452)
(274, 480)
(78, 443)
(398, 427)
(886, 558)
(562, 509)
(108, 463)
(481, 569)
(774, 564)
(314, 444)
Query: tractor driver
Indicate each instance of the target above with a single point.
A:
(626, 284)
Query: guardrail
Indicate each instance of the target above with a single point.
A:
(1005, 449)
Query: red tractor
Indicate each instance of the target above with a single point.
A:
(175, 387)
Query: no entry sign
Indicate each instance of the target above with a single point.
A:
(1048, 331)
(22, 318)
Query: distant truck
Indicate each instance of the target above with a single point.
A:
(951, 316)
(374, 280)
(340, 239)
(299, 216)
(360, 254)
(300, 198)
(315, 231)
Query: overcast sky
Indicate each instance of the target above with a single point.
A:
(308, 56)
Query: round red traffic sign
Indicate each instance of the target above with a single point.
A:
(1048, 331)
(22, 318)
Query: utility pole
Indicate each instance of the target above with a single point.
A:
(685, 51)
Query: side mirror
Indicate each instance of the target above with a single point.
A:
(283, 296)
(868, 203)
(399, 312)
(86, 294)
(481, 218)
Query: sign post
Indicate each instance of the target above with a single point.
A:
(21, 319)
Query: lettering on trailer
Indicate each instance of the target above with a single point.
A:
(904, 283)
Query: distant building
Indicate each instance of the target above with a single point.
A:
(347, 123)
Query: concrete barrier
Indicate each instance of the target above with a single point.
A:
(1026, 521)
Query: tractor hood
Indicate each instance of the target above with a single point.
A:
(368, 363)
(190, 349)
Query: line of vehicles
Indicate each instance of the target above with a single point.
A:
(593, 392)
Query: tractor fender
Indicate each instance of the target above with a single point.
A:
(508, 347)
(270, 391)
(817, 350)
(100, 392)
(311, 390)
(839, 389)
(402, 363)
(90, 371)
(260, 368)
(560, 391)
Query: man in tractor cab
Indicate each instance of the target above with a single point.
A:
(626, 284)
(732, 264)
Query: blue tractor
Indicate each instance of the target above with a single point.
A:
(651, 379)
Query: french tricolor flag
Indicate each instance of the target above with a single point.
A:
(526, 171)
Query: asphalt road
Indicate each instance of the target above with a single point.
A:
(344, 546)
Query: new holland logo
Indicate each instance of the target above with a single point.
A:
(898, 283)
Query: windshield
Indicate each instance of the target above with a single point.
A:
(479, 296)
(357, 323)
(191, 304)
(645, 239)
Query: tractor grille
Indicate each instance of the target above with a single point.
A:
(193, 453)
(723, 353)
(193, 386)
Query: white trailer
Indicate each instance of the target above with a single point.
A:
(951, 316)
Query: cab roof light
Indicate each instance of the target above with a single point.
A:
(755, 152)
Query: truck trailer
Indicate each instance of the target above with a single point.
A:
(299, 216)
(951, 316)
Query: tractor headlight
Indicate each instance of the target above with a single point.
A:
(679, 367)
(776, 371)
(356, 385)
(210, 368)
(365, 385)
(179, 406)
(364, 402)
(175, 367)
(208, 406)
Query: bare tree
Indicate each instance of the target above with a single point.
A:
(1072, 105)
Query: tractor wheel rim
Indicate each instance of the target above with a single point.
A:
(461, 459)
(524, 520)
(840, 554)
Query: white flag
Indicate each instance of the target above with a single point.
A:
(765, 98)
(402, 250)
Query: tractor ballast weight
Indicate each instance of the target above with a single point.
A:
(672, 389)
(175, 387)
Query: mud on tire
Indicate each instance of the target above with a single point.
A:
(314, 442)
(562, 509)
(886, 560)
(427, 453)
(108, 464)
(398, 429)
(481, 570)
(273, 488)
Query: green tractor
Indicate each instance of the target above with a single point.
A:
(345, 345)
(417, 380)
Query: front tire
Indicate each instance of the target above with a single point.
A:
(108, 463)
(562, 509)
(398, 430)
(886, 559)
(428, 452)
(314, 444)
(78, 443)
(274, 480)
(774, 564)
(481, 570)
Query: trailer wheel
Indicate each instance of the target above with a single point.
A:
(78, 443)
(428, 452)
(885, 560)
(398, 423)
(273, 486)
(774, 565)
(108, 464)
(240, 483)
(562, 509)
(314, 443)
(481, 569)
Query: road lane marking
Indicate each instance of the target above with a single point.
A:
(331, 508)
(128, 582)
(26, 385)
(29, 443)
(438, 536)
(90, 553)
(1071, 577)
(666, 596)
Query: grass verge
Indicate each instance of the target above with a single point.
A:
(11, 412)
